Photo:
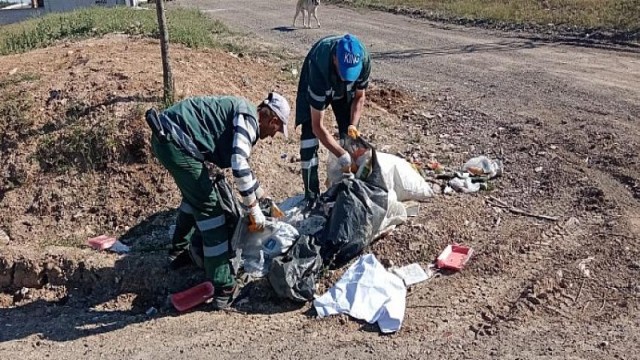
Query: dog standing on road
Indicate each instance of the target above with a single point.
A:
(310, 7)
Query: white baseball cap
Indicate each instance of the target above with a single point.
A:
(280, 106)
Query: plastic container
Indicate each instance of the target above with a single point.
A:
(192, 297)
(101, 242)
(454, 257)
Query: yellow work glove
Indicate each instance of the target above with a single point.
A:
(352, 132)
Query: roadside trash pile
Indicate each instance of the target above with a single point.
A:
(381, 192)
(300, 241)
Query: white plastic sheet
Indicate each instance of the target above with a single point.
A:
(367, 291)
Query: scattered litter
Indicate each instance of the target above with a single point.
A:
(582, 265)
(119, 248)
(192, 297)
(482, 165)
(464, 185)
(454, 257)
(435, 166)
(369, 292)
(13, 71)
(448, 190)
(553, 147)
(538, 169)
(104, 242)
(101, 242)
(413, 274)
(151, 311)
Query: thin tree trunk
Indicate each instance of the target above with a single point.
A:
(164, 49)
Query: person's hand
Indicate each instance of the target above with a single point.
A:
(352, 132)
(273, 208)
(257, 221)
(345, 162)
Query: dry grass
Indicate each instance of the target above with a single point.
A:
(610, 14)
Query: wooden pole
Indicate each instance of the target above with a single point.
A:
(164, 50)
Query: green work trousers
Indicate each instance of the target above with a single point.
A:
(309, 147)
(200, 213)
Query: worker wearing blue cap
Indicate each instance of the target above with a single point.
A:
(335, 72)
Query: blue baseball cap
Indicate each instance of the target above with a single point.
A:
(349, 53)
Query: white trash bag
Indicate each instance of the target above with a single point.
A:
(259, 248)
(402, 178)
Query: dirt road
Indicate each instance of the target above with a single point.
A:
(495, 72)
(563, 118)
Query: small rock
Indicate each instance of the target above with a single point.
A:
(603, 344)
(294, 72)
(553, 147)
(538, 169)
(4, 238)
(635, 265)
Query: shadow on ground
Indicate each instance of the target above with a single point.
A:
(135, 288)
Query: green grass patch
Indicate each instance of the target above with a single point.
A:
(16, 79)
(83, 148)
(189, 27)
(15, 116)
(621, 15)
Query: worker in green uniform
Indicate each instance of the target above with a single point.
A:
(335, 72)
(221, 130)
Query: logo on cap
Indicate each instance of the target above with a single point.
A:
(351, 58)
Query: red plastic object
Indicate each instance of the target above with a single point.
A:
(190, 298)
(454, 257)
(101, 242)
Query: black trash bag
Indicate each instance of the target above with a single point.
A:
(359, 209)
(230, 204)
(232, 214)
(293, 275)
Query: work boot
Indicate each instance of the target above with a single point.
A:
(179, 258)
(224, 298)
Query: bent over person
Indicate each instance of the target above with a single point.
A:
(221, 130)
(335, 72)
